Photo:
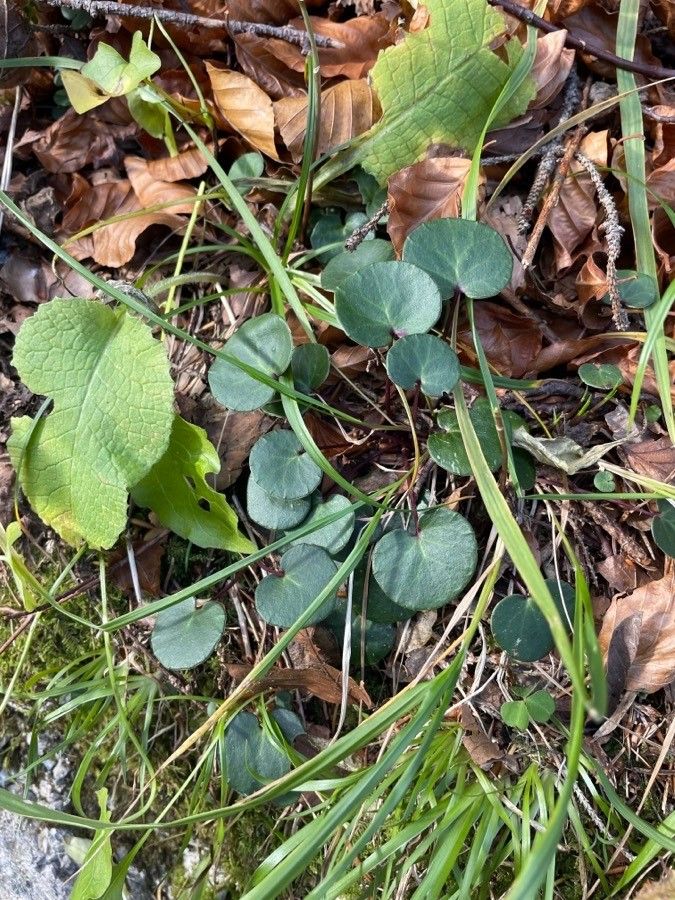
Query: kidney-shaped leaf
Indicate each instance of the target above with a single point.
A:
(281, 599)
(332, 537)
(520, 629)
(430, 568)
(663, 528)
(446, 448)
(379, 607)
(460, 253)
(273, 512)
(177, 492)
(347, 263)
(265, 344)
(251, 759)
(185, 635)
(386, 300)
(112, 416)
(425, 360)
(282, 467)
(310, 365)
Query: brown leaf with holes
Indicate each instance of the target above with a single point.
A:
(654, 458)
(571, 221)
(73, 142)
(268, 71)
(430, 189)
(347, 109)
(361, 40)
(653, 666)
(245, 106)
(511, 342)
(114, 244)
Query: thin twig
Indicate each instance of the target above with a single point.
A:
(281, 32)
(655, 73)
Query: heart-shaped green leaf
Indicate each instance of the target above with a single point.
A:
(379, 607)
(663, 528)
(461, 254)
(265, 344)
(177, 492)
(386, 300)
(185, 635)
(430, 568)
(520, 629)
(112, 416)
(248, 165)
(604, 481)
(281, 599)
(331, 537)
(271, 512)
(251, 759)
(636, 290)
(310, 365)
(447, 447)
(330, 229)
(282, 467)
(540, 706)
(603, 377)
(514, 714)
(425, 360)
(347, 263)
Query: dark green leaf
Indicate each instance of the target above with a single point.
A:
(604, 377)
(520, 629)
(185, 635)
(345, 264)
(425, 360)
(272, 512)
(281, 599)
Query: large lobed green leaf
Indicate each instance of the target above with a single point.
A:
(439, 85)
(112, 415)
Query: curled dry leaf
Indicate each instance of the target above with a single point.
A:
(571, 221)
(188, 164)
(430, 189)
(347, 109)
(361, 40)
(653, 666)
(654, 457)
(511, 342)
(245, 106)
(175, 196)
(551, 67)
(268, 71)
(72, 143)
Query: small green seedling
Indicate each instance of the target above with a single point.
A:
(604, 482)
(305, 571)
(429, 567)
(537, 706)
(348, 263)
(263, 343)
(461, 255)
(186, 634)
(282, 467)
(425, 360)
(386, 300)
(522, 630)
(663, 528)
(637, 290)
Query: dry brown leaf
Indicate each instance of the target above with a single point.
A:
(658, 890)
(621, 653)
(654, 664)
(72, 143)
(268, 71)
(619, 572)
(598, 27)
(347, 109)
(245, 106)
(148, 559)
(559, 9)
(430, 189)
(188, 164)
(270, 12)
(571, 221)
(351, 360)
(653, 457)
(511, 342)
(152, 192)
(503, 216)
(361, 39)
(233, 434)
(551, 67)
(482, 749)
(115, 244)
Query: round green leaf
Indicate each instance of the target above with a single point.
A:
(520, 629)
(185, 635)
(540, 706)
(330, 229)
(447, 447)
(379, 638)
(425, 360)
(265, 344)
(430, 568)
(331, 537)
(282, 467)
(271, 512)
(564, 597)
(379, 607)
(310, 365)
(248, 165)
(604, 377)
(347, 263)
(460, 253)
(515, 714)
(635, 289)
(281, 599)
(386, 300)
(604, 481)
(251, 759)
(663, 529)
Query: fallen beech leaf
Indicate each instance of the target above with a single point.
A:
(152, 192)
(572, 219)
(351, 360)
(72, 143)
(112, 245)
(619, 572)
(233, 434)
(665, 11)
(482, 749)
(621, 653)
(270, 12)
(247, 108)
(361, 40)
(653, 666)
(188, 164)
(595, 25)
(430, 189)
(551, 67)
(347, 110)
(653, 457)
(511, 342)
(559, 9)
(268, 71)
